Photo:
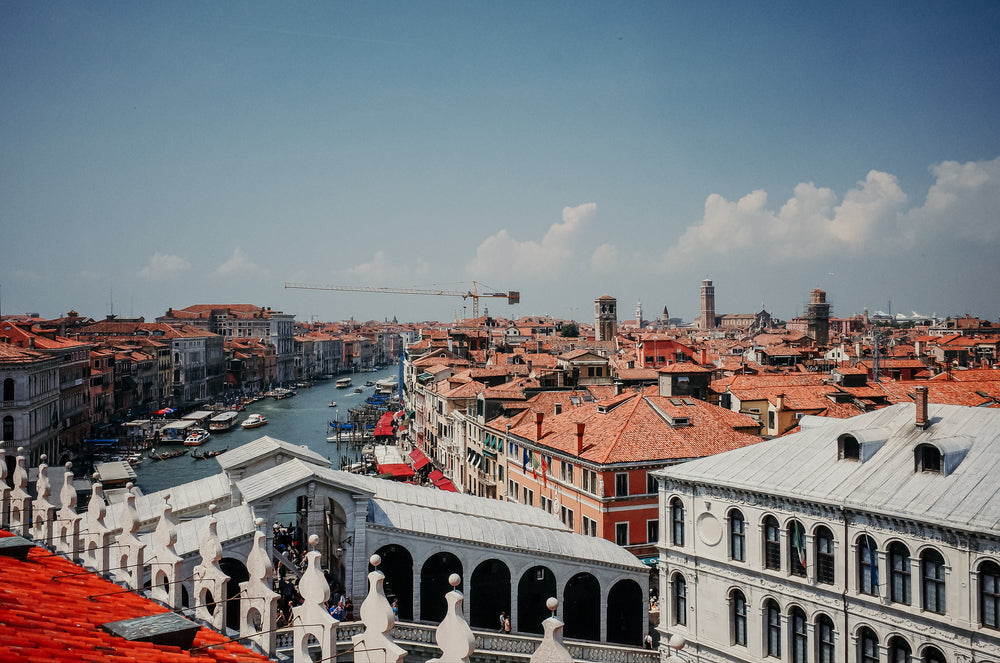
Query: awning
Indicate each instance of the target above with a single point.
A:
(384, 426)
(419, 459)
(435, 475)
(441, 481)
(397, 470)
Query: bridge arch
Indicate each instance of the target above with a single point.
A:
(581, 607)
(535, 587)
(489, 594)
(397, 565)
(434, 585)
(626, 613)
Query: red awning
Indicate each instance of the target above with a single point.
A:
(397, 470)
(447, 485)
(384, 426)
(435, 475)
(419, 459)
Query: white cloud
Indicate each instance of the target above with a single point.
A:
(964, 201)
(503, 254)
(162, 267)
(810, 225)
(604, 259)
(383, 271)
(238, 264)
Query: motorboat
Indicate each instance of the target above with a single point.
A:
(196, 437)
(343, 383)
(333, 403)
(254, 421)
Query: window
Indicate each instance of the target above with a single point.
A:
(566, 516)
(797, 548)
(932, 655)
(679, 589)
(772, 544)
(867, 646)
(677, 521)
(621, 534)
(867, 566)
(652, 531)
(589, 480)
(989, 594)
(772, 615)
(737, 536)
(528, 496)
(800, 637)
(825, 649)
(927, 458)
(899, 650)
(899, 573)
(589, 526)
(8, 428)
(932, 573)
(824, 555)
(621, 484)
(738, 605)
(8, 389)
(848, 448)
(651, 487)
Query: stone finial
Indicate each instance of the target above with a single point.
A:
(165, 565)
(676, 643)
(373, 645)
(131, 551)
(209, 578)
(551, 649)
(43, 511)
(313, 617)
(20, 499)
(454, 636)
(67, 526)
(97, 552)
(259, 604)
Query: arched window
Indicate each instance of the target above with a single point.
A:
(867, 565)
(848, 447)
(737, 536)
(8, 389)
(799, 636)
(932, 655)
(772, 543)
(932, 577)
(899, 574)
(927, 458)
(679, 591)
(796, 548)
(825, 643)
(989, 594)
(677, 521)
(772, 617)
(825, 572)
(899, 650)
(867, 646)
(738, 607)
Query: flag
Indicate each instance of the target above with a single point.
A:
(524, 462)
(534, 467)
(545, 471)
(798, 543)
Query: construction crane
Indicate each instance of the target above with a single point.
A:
(512, 297)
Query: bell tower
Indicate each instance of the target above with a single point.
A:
(605, 318)
(707, 319)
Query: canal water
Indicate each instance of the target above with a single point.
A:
(302, 419)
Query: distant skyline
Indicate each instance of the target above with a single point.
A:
(161, 155)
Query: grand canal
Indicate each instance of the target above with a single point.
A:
(302, 419)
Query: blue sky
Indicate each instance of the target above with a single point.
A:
(160, 155)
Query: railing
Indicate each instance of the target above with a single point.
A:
(498, 646)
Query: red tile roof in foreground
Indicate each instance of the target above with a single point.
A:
(47, 614)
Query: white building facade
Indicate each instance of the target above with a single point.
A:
(867, 540)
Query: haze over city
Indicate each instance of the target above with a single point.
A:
(162, 155)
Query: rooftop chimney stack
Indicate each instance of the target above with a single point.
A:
(538, 425)
(921, 399)
(579, 437)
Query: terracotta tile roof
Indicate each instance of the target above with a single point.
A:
(51, 610)
(684, 367)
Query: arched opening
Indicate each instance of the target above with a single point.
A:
(434, 585)
(397, 565)
(339, 543)
(582, 593)
(237, 572)
(626, 613)
(536, 586)
(489, 593)
(185, 597)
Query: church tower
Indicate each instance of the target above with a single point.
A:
(605, 318)
(707, 319)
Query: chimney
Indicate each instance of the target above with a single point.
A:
(618, 388)
(921, 399)
(704, 356)
(538, 425)
(579, 437)
(780, 403)
(558, 408)
(31, 342)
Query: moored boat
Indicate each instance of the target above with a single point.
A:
(166, 455)
(196, 437)
(254, 421)
(223, 422)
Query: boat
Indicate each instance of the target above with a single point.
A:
(343, 383)
(196, 437)
(166, 455)
(281, 393)
(223, 422)
(333, 403)
(358, 390)
(134, 459)
(254, 421)
(207, 454)
(369, 383)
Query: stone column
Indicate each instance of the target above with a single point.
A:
(209, 578)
